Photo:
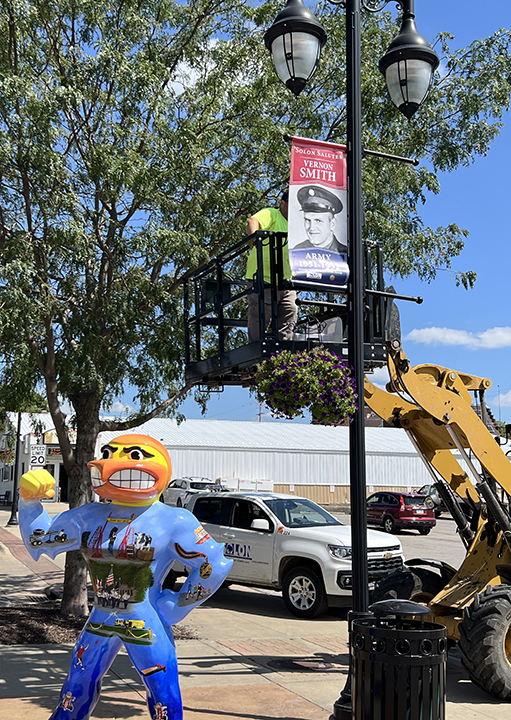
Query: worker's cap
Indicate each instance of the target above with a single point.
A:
(314, 198)
(285, 196)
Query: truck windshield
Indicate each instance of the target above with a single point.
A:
(300, 513)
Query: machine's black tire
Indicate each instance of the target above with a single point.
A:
(313, 601)
(438, 512)
(424, 531)
(485, 641)
(388, 524)
(179, 502)
(415, 584)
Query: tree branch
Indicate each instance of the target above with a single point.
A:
(136, 420)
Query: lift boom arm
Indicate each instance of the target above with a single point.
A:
(440, 420)
(438, 417)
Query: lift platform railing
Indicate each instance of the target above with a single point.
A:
(215, 311)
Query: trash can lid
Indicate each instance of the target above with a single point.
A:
(399, 607)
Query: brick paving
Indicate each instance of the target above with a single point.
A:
(43, 568)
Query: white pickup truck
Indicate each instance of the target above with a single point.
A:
(291, 544)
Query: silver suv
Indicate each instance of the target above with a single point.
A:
(180, 491)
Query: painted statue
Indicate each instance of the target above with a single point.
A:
(129, 545)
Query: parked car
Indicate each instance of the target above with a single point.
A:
(180, 491)
(289, 543)
(395, 511)
(438, 504)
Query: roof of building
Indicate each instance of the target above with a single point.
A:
(231, 434)
(31, 420)
(226, 434)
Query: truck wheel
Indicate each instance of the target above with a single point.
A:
(303, 593)
(424, 531)
(429, 502)
(414, 584)
(485, 641)
(388, 524)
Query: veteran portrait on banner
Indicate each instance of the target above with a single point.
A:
(317, 232)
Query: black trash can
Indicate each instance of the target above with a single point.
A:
(398, 664)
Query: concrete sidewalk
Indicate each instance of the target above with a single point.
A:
(250, 660)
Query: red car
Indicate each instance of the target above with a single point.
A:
(399, 511)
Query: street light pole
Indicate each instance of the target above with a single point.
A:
(295, 41)
(13, 520)
(343, 707)
(356, 304)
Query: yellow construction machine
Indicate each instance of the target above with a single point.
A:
(434, 405)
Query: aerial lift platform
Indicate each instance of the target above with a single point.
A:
(215, 306)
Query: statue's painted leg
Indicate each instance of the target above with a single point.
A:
(92, 657)
(162, 685)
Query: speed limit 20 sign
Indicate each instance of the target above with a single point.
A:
(37, 456)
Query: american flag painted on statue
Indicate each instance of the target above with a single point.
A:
(110, 579)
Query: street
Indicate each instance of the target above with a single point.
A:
(443, 543)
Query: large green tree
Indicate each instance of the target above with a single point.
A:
(136, 136)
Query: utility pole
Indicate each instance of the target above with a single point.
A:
(13, 520)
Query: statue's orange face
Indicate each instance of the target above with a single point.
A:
(134, 468)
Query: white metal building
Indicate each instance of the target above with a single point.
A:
(298, 458)
(310, 460)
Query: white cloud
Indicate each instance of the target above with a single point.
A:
(491, 339)
(379, 377)
(186, 76)
(505, 400)
(498, 337)
(119, 408)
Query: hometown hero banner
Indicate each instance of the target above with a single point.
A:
(317, 217)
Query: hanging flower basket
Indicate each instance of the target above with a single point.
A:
(318, 380)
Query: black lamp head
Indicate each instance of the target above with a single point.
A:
(295, 40)
(408, 67)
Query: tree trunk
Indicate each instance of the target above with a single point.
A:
(74, 598)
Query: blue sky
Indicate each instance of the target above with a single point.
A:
(469, 331)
